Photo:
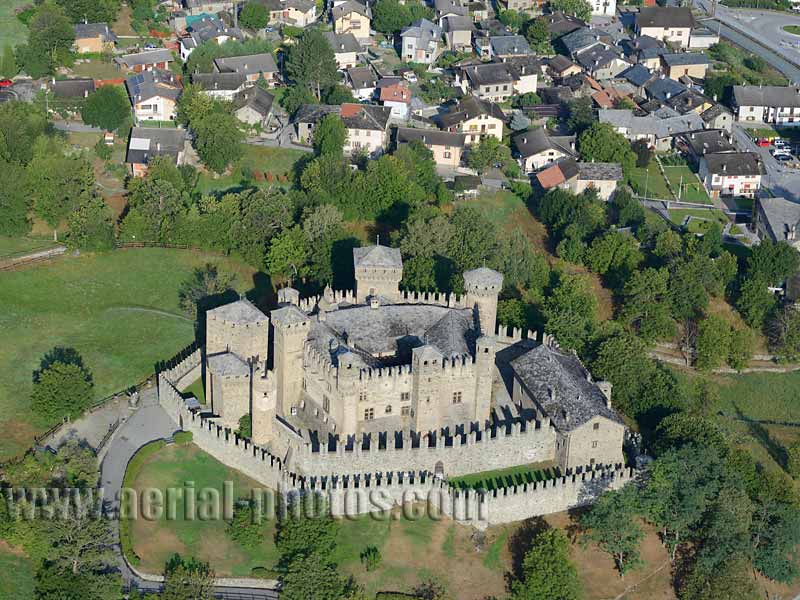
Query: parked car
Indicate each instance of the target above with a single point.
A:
(763, 142)
(6, 83)
(784, 157)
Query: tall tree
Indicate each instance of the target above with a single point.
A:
(547, 571)
(312, 63)
(187, 579)
(575, 8)
(611, 524)
(600, 143)
(90, 225)
(205, 281)
(50, 39)
(330, 135)
(8, 62)
(218, 140)
(91, 11)
(538, 36)
(570, 312)
(254, 16)
(288, 254)
(107, 108)
(14, 200)
(62, 389)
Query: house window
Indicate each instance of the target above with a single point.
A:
(369, 414)
(456, 397)
(405, 411)
(388, 409)
(362, 396)
(405, 396)
(448, 155)
(594, 444)
(596, 426)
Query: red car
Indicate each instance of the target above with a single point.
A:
(6, 83)
(763, 142)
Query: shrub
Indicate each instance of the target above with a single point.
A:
(183, 437)
(371, 558)
(102, 149)
(793, 460)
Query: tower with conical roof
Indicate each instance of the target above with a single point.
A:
(483, 286)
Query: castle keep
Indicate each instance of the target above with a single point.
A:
(377, 379)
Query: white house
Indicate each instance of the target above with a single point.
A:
(536, 149)
(154, 95)
(768, 104)
(731, 173)
(420, 42)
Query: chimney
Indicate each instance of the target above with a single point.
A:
(693, 135)
(724, 167)
(158, 146)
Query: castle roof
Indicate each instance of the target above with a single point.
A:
(448, 332)
(562, 387)
(377, 256)
(241, 311)
(483, 277)
(227, 364)
(288, 315)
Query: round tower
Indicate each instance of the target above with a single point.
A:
(482, 288)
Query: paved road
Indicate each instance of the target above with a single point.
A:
(149, 423)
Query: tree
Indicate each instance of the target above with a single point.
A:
(783, 330)
(53, 583)
(629, 211)
(616, 255)
(305, 528)
(218, 140)
(288, 254)
(643, 153)
(107, 108)
(755, 301)
(487, 153)
(14, 200)
(154, 206)
(50, 39)
(81, 542)
(295, 97)
(713, 342)
(90, 225)
(570, 312)
(338, 94)
(312, 576)
(312, 63)
(204, 282)
(187, 579)
(330, 135)
(611, 524)
(538, 36)
(575, 8)
(645, 306)
(521, 266)
(581, 114)
(511, 19)
(254, 16)
(600, 143)
(246, 528)
(774, 262)
(8, 62)
(62, 389)
(91, 11)
(547, 571)
(194, 105)
(740, 348)
(389, 16)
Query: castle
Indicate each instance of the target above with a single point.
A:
(378, 368)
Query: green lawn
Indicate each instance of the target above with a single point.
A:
(16, 245)
(649, 182)
(12, 30)
(691, 190)
(197, 390)
(257, 165)
(107, 307)
(793, 29)
(97, 69)
(18, 579)
(501, 478)
(678, 216)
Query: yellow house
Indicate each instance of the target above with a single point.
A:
(351, 17)
(476, 119)
(94, 38)
(446, 147)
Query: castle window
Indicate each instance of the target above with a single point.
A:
(389, 409)
(594, 444)
(596, 426)
(369, 414)
(362, 396)
(405, 396)
(456, 397)
(326, 404)
(405, 411)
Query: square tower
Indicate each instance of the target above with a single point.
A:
(238, 327)
(378, 271)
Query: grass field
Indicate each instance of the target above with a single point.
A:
(257, 164)
(649, 182)
(119, 310)
(691, 190)
(12, 30)
(197, 390)
(17, 580)
(15, 245)
(96, 69)
(678, 216)
(507, 210)
(793, 29)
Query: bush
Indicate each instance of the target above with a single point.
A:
(371, 558)
(183, 437)
(102, 149)
(793, 460)
(61, 389)
(107, 108)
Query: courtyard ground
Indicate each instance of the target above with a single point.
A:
(119, 310)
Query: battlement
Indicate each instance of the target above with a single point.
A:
(434, 298)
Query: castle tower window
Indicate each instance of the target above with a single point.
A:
(596, 426)
(362, 396)
(594, 444)
(389, 409)
(405, 411)
(405, 396)
(456, 397)
(369, 414)
(326, 404)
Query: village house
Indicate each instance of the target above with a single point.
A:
(637, 76)
(689, 101)
(146, 143)
(449, 8)
(206, 7)
(603, 8)
(94, 38)
(154, 95)
(146, 61)
(777, 219)
(352, 17)
(657, 132)
(207, 29)
(779, 105)
(509, 46)
(253, 106)
(366, 124)
(692, 64)
(718, 117)
(696, 144)
(345, 49)
(362, 80)
(531, 7)
(479, 11)
(535, 149)
(252, 66)
(731, 174)
(498, 81)
(446, 147)
(702, 38)
(420, 42)
(474, 117)
(222, 86)
(559, 67)
(669, 24)
(299, 13)
(394, 93)
(560, 24)
(577, 177)
(458, 32)
(602, 62)
(71, 88)
(582, 39)
(663, 88)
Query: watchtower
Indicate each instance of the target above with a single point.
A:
(238, 327)
(291, 331)
(485, 348)
(378, 271)
(483, 286)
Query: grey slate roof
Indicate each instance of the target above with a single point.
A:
(483, 277)
(255, 98)
(712, 113)
(534, 141)
(685, 58)
(93, 30)
(597, 56)
(453, 7)
(425, 31)
(72, 88)
(149, 57)
(246, 65)
(219, 81)
(288, 315)
(781, 216)
(560, 63)
(469, 108)
(638, 75)
(708, 141)
(147, 142)
(430, 136)
(345, 8)
(769, 95)
(457, 23)
(239, 312)
(362, 78)
(368, 116)
(377, 256)
(661, 16)
(510, 45)
(597, 171)
(488, 74)
(650, 124)
(734, 163)
(580, 39)
(342, 42)
(227, 364)
(314, 113)
(151, 84)
(561, 385)
(687, 101)
(664, 88)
